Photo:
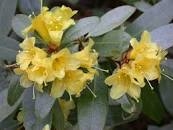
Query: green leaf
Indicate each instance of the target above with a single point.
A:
(8, 48)
(113, 43)
(28, 109)
(3, 79)
(30, 6)
(129, 105)
(31, 120)
(142, 5)
(9, 123)
(19, 23)
(112, 19)
(163, 36)
(43, 104)
(7, 10)
(58, 116)
(152, 106)
(82, 27)
(166, 89)
(116, 116)
(14, 91)
(149, 20)
(5, 109)
(92, 111)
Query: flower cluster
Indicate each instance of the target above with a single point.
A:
(143, 65)
(50, 25)
(59, 69)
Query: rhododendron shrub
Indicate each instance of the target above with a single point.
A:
(59, 72)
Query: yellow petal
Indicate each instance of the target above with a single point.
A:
(117, 91)
(58, 88)
(145, 38)
(134, 91)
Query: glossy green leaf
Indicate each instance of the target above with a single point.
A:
(5, 109)
(43, 104)
(113, 43)
(163, 36)
(92, 112)
(30, 6)
(15, 90)
(112, 19)
(19, 23)
(58, 116)
(152, 105)
(8, 48)
(160, 14)
(82, 27)
(7, 10)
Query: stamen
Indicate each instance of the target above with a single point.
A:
(91, 91)
(167, 76)
(33, 93)
(107, 71)
(152, 88)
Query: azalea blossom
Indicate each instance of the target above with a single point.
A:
(143, 64)
(50, 25)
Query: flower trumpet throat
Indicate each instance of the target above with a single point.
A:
(143, 65)
(50, 25)
(62, 68)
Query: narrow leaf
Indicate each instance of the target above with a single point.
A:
(152, 106)
(19, 23)
(158, 15)
(82, 27)
(58, 116)
(43, 104)
(166, 88)
(28, 109)
(8, 48)
(14, 91)
(5, 109)
(7, 10)
(163, 36)
(112, 19)
(30, 6)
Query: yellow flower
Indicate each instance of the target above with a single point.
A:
(144, 47)
(63, 61)
(122, 83)
(40, 71)
(50, 25)
(73, 82)
(149, 68)
(30, 52)
(24, 80)
(87, 56)
(66, 106)
(146, 57)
